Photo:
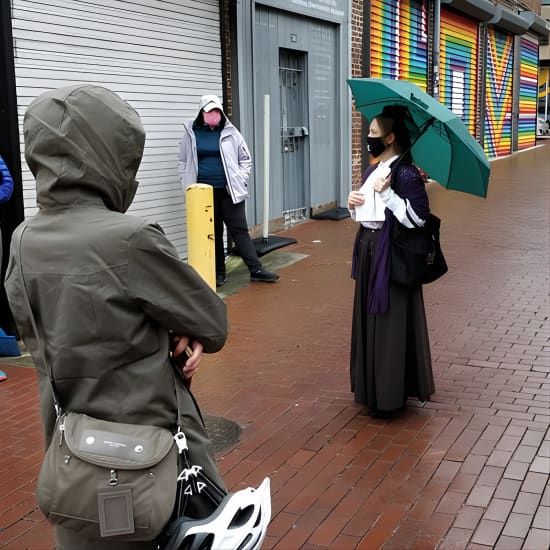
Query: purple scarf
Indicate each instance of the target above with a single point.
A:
(408, 184)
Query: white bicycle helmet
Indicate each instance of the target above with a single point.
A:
(238, 523)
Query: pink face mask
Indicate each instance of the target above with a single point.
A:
(212, 118)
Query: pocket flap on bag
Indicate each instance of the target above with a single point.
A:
(114, 444)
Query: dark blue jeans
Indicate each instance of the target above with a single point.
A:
(234, 217)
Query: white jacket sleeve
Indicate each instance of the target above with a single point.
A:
(401, 209)
(245, 159)
(184, 158)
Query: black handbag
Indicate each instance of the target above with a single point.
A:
(416, 255)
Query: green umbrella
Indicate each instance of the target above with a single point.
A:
(442, 146)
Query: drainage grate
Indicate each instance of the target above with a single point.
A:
(223, 433)
(295, 216)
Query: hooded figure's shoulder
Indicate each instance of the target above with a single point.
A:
(150, 235)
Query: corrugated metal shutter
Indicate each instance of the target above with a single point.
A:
(528, 79)
(458, 66)
(399, 40)
(498, 100)
(161, 56)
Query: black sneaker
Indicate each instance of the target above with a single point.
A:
(220, 280)
(263, 276)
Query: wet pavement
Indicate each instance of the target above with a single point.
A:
(469, 469)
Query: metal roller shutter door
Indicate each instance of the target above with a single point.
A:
(528, 80)
(161, 56)
(498, 99)
(398, 40)
(459, 66)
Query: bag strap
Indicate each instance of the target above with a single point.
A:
(42, 347)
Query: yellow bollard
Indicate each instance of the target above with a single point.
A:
(199, 198)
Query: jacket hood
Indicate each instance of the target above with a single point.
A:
(206, 103)
(83, 144)
(209, 102)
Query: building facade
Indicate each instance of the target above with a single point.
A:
(544, 76)
(160, 56)
(297, 53)
(479, 58)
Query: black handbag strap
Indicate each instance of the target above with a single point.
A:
(42, 347)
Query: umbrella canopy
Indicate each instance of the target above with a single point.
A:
(443, 148)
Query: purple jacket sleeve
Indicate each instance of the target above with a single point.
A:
(6, 182)
(408, 184)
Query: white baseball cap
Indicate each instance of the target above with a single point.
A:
(208, 103)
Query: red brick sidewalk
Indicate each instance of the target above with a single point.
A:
(468, 470)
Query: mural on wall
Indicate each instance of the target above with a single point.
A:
(498, 83)
(528, 80)
(458, 66)
(399, 40)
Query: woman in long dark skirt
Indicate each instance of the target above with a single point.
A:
(390, 349)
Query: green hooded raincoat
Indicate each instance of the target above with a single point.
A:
(105, 287)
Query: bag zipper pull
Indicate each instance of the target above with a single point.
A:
(113, 480)
(61, 432)
(181, 441)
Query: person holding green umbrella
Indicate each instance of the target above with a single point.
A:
(390, 351)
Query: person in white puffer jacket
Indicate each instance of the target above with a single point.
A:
(214, 152)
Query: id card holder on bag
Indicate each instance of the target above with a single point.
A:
(116, 511)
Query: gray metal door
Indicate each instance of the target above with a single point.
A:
(294, 132)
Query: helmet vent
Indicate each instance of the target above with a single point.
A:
(241, 517)
(245, 542)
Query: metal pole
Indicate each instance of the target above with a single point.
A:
(265, 230)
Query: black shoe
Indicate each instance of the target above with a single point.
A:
(220, 280)
(263, 276)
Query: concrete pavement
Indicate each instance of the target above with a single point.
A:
(469, 469)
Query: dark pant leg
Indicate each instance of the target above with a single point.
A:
(219, 195)
(234, 217)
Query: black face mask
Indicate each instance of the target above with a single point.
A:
(376, 146)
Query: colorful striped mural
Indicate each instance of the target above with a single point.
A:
(528, 80)
(458, 66)
(498, 83)
(399, 40)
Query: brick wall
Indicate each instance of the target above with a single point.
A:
(356, 71)
(225, 15)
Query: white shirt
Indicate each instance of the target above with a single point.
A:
(371, 213)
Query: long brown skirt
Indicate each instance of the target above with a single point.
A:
(390, 353)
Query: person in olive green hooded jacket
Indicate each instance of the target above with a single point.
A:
(108, 290)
